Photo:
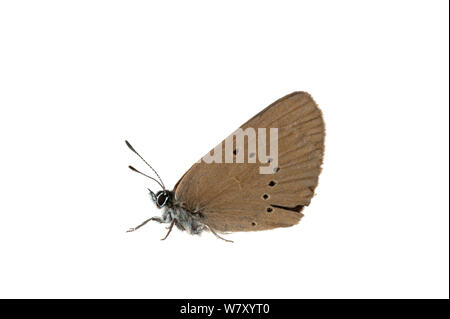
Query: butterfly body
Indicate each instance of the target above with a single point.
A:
(184, 220)
(176, 215)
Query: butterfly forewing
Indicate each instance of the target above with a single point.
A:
(237, 197)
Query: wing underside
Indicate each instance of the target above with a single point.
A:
(236, 197)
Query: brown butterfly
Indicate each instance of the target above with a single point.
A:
(235, 194)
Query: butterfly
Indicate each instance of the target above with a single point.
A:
(235, 187)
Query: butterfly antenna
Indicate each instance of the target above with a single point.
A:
(135, 152)
(135, 170)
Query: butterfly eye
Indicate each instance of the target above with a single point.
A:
(269, 209)
(272, 183)
(161, 199)
(265, 196)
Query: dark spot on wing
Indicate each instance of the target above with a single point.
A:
(296, 209)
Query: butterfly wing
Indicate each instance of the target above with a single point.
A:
(236, 197)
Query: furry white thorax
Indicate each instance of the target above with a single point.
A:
(183, 220)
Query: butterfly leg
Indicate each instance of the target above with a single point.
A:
(212, 231)
(156, 219)
(170, 229)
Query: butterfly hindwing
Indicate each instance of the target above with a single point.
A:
(236, 197)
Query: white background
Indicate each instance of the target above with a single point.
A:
(175, 78)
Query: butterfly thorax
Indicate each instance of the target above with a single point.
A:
(184, 220)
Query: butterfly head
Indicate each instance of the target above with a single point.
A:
(162, 198)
